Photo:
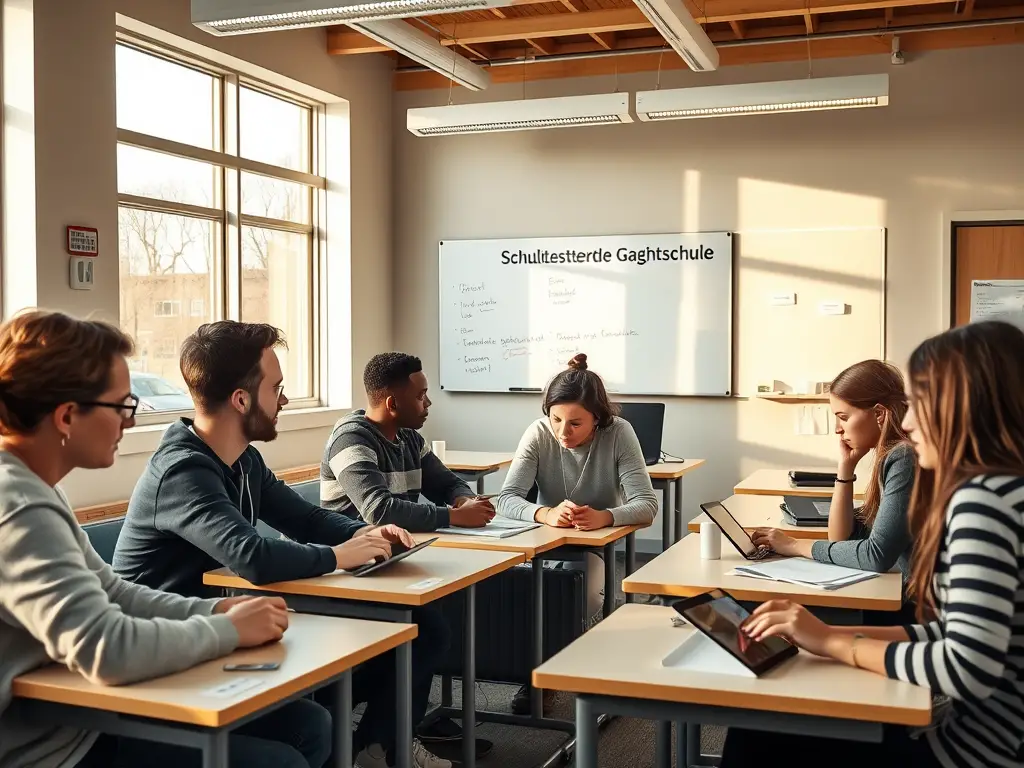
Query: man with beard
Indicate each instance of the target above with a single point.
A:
(376, 464)
(196, 506)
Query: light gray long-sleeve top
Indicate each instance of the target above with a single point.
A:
(887, 542)
(608, 473)
(60, 602)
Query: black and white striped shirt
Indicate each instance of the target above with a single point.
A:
(974, 652)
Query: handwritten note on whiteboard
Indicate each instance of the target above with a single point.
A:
(997, 300)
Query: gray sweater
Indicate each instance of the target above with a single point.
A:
(887, 542)
(60, 602)
(614, 477)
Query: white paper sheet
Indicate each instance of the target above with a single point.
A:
(498, 528)
(997, 299)
(798, 570)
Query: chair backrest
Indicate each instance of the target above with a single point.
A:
(103, 537)
(309, 490)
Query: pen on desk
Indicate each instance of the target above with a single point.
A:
(524, 389)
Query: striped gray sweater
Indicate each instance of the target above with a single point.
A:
(365, 474)
(974, 652)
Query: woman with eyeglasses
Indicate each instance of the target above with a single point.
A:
(65, 401)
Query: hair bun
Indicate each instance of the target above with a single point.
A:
(579, 362)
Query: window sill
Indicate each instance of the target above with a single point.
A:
(146, 438)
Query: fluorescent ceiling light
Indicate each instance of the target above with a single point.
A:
(764, 98)
(533, 114)
(237, 17)
(419, 46)
(685, 35)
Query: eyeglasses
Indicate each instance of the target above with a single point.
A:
(127, 409)
(279, 391)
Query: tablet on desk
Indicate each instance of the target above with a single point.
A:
(398, 552)
(718, 616)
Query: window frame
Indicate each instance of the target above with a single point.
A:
(227, 281)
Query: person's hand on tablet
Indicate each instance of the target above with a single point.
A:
(360, 550)
(395, 535)
(775, 540)
(782, 618)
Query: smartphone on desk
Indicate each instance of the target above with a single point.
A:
(266, 666)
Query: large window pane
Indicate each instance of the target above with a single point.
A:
(275, 199)
(166, 177)
(166, 265)
(277, 289)
(168, 100)
(273, 130)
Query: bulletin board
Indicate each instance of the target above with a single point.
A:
(837, 277)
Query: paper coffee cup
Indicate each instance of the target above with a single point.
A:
(437, 446)
(710, 542)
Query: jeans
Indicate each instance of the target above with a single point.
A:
(297, 735)
(374, 681)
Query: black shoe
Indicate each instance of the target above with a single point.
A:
(521, 701)
(452, 750)
(445, 736)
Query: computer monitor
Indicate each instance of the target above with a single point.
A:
(648, 421)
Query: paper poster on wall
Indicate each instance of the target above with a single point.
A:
(997, 300)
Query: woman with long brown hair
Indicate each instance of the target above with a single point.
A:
(65, 401)
(869, 402)
(966, 422)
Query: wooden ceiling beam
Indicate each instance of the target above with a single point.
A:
(342, 40)
(737, 28)
(543, 47)
(742, 55)
(606, 40)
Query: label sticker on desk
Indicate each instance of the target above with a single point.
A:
(426, 583)
(233, 688)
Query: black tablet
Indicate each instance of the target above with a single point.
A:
(398, 552)
(719, 616)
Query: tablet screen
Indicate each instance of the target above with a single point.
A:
(719, 616)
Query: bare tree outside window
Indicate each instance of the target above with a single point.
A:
(176, 230)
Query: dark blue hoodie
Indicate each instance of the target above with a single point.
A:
(191, 513)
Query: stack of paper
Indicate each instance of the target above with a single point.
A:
(498, 528)
(808, 573)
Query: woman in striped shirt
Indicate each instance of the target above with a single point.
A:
(967, 516)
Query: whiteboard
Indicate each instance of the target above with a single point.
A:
(653, 313)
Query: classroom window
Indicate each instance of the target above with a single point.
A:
(223, 227)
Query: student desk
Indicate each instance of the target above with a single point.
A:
(537, 545)
(476, 465)
(390, 595)
(195, 708)
(668, 478)
(755, 511)
(680, 572)
(616, 668)
(775, 482)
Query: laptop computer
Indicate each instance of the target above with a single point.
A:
(734, 532)
(806, 511)
(648, 421)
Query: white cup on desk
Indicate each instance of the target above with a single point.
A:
(710, 542)
(437, 446)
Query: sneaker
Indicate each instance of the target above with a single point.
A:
(374, 756)
(423, 758)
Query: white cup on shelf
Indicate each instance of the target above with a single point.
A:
(438, 447)
(710, 542)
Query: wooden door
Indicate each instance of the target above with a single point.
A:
(984, 252)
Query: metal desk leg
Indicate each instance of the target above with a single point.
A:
(682, 755)
(630, 562)
(670, 511)
(469, 681)
(666, 513)
(678, 508)
(480, 484)
(343, 721)
(446, 690)
(536, 694)
(609, 579)
(662, 744)
(403, 671)
(586, 734)
(693, 753)
(215, 754)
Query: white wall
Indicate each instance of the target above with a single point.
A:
(952, 139)
(76, 182)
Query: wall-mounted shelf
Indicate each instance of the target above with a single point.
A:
(780, 397)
